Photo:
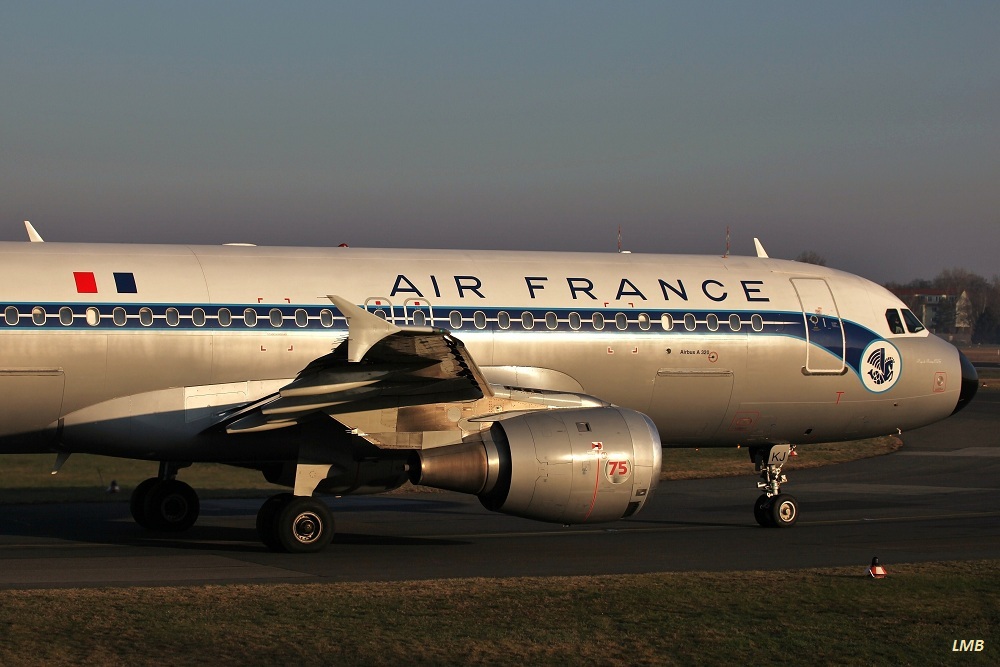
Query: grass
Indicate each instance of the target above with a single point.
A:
(829, 616)
(734, 461)
(26, 478)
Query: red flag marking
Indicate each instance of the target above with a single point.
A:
(85, 282)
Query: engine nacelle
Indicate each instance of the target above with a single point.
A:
(566, 466)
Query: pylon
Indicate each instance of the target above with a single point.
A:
(876, 570)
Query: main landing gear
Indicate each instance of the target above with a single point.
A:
(285, 522)
(773, 509)
(296, 524)
(164, 502)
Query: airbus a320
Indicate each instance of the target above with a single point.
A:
(544, 383)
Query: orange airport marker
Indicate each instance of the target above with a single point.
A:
(876, 570)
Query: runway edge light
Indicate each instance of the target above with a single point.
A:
(876, 570)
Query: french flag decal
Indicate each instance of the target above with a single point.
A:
(86, 283)
(125, 283)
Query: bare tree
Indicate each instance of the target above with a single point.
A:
(811, 257)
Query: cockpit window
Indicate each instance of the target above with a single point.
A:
(895, 322)
(913, 325)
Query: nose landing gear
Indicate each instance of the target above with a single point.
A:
(773, 509)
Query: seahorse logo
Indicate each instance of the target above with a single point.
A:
(880, 368)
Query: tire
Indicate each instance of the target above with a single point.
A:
(171, 505)
(762, 511)
(137, 501)
(304, 525)
(267, 520)
(784, 510)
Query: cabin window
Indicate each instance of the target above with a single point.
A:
(479, 319)
(690, 323)
(667, 322)
(38, 315)
(551, 321)
(10, 315)
(503, 319)
(274, 317)
(712, 321)
(301, 317)
(644, 321)
(527, 321)
(621, 321)
(225, 317)
(198, 317)
(326, 318)
(597, 321)
(66, 316)
(913, 324)
(173, 317)
(575, 322)
(145, 317)
(250, 317)
(378, 312)
(455, 319)
(895, 321)
(118, 316)
(734, 322)
(419, 318)
(757, 323)
(93, 316)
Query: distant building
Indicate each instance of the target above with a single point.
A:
(945, 313)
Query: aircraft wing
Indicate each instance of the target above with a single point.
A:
(382, 372)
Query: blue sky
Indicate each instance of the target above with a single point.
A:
(867, 132)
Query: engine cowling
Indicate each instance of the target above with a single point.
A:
(566, 466)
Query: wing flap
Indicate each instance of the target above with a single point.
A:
(382, 367)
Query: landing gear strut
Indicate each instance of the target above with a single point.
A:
(164, 502)
(773, 509)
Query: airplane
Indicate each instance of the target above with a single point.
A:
(544, 383)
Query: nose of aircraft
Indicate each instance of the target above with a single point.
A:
(970, 383)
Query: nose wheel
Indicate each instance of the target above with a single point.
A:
(773, 508)
(780, 511)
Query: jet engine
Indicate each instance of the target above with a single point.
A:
(565, 466)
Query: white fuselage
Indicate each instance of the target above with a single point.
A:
(717, 351)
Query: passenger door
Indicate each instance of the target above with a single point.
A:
(824, 330)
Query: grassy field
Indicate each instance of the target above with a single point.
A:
(26, 478)
(829, 616)
(731, 461)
